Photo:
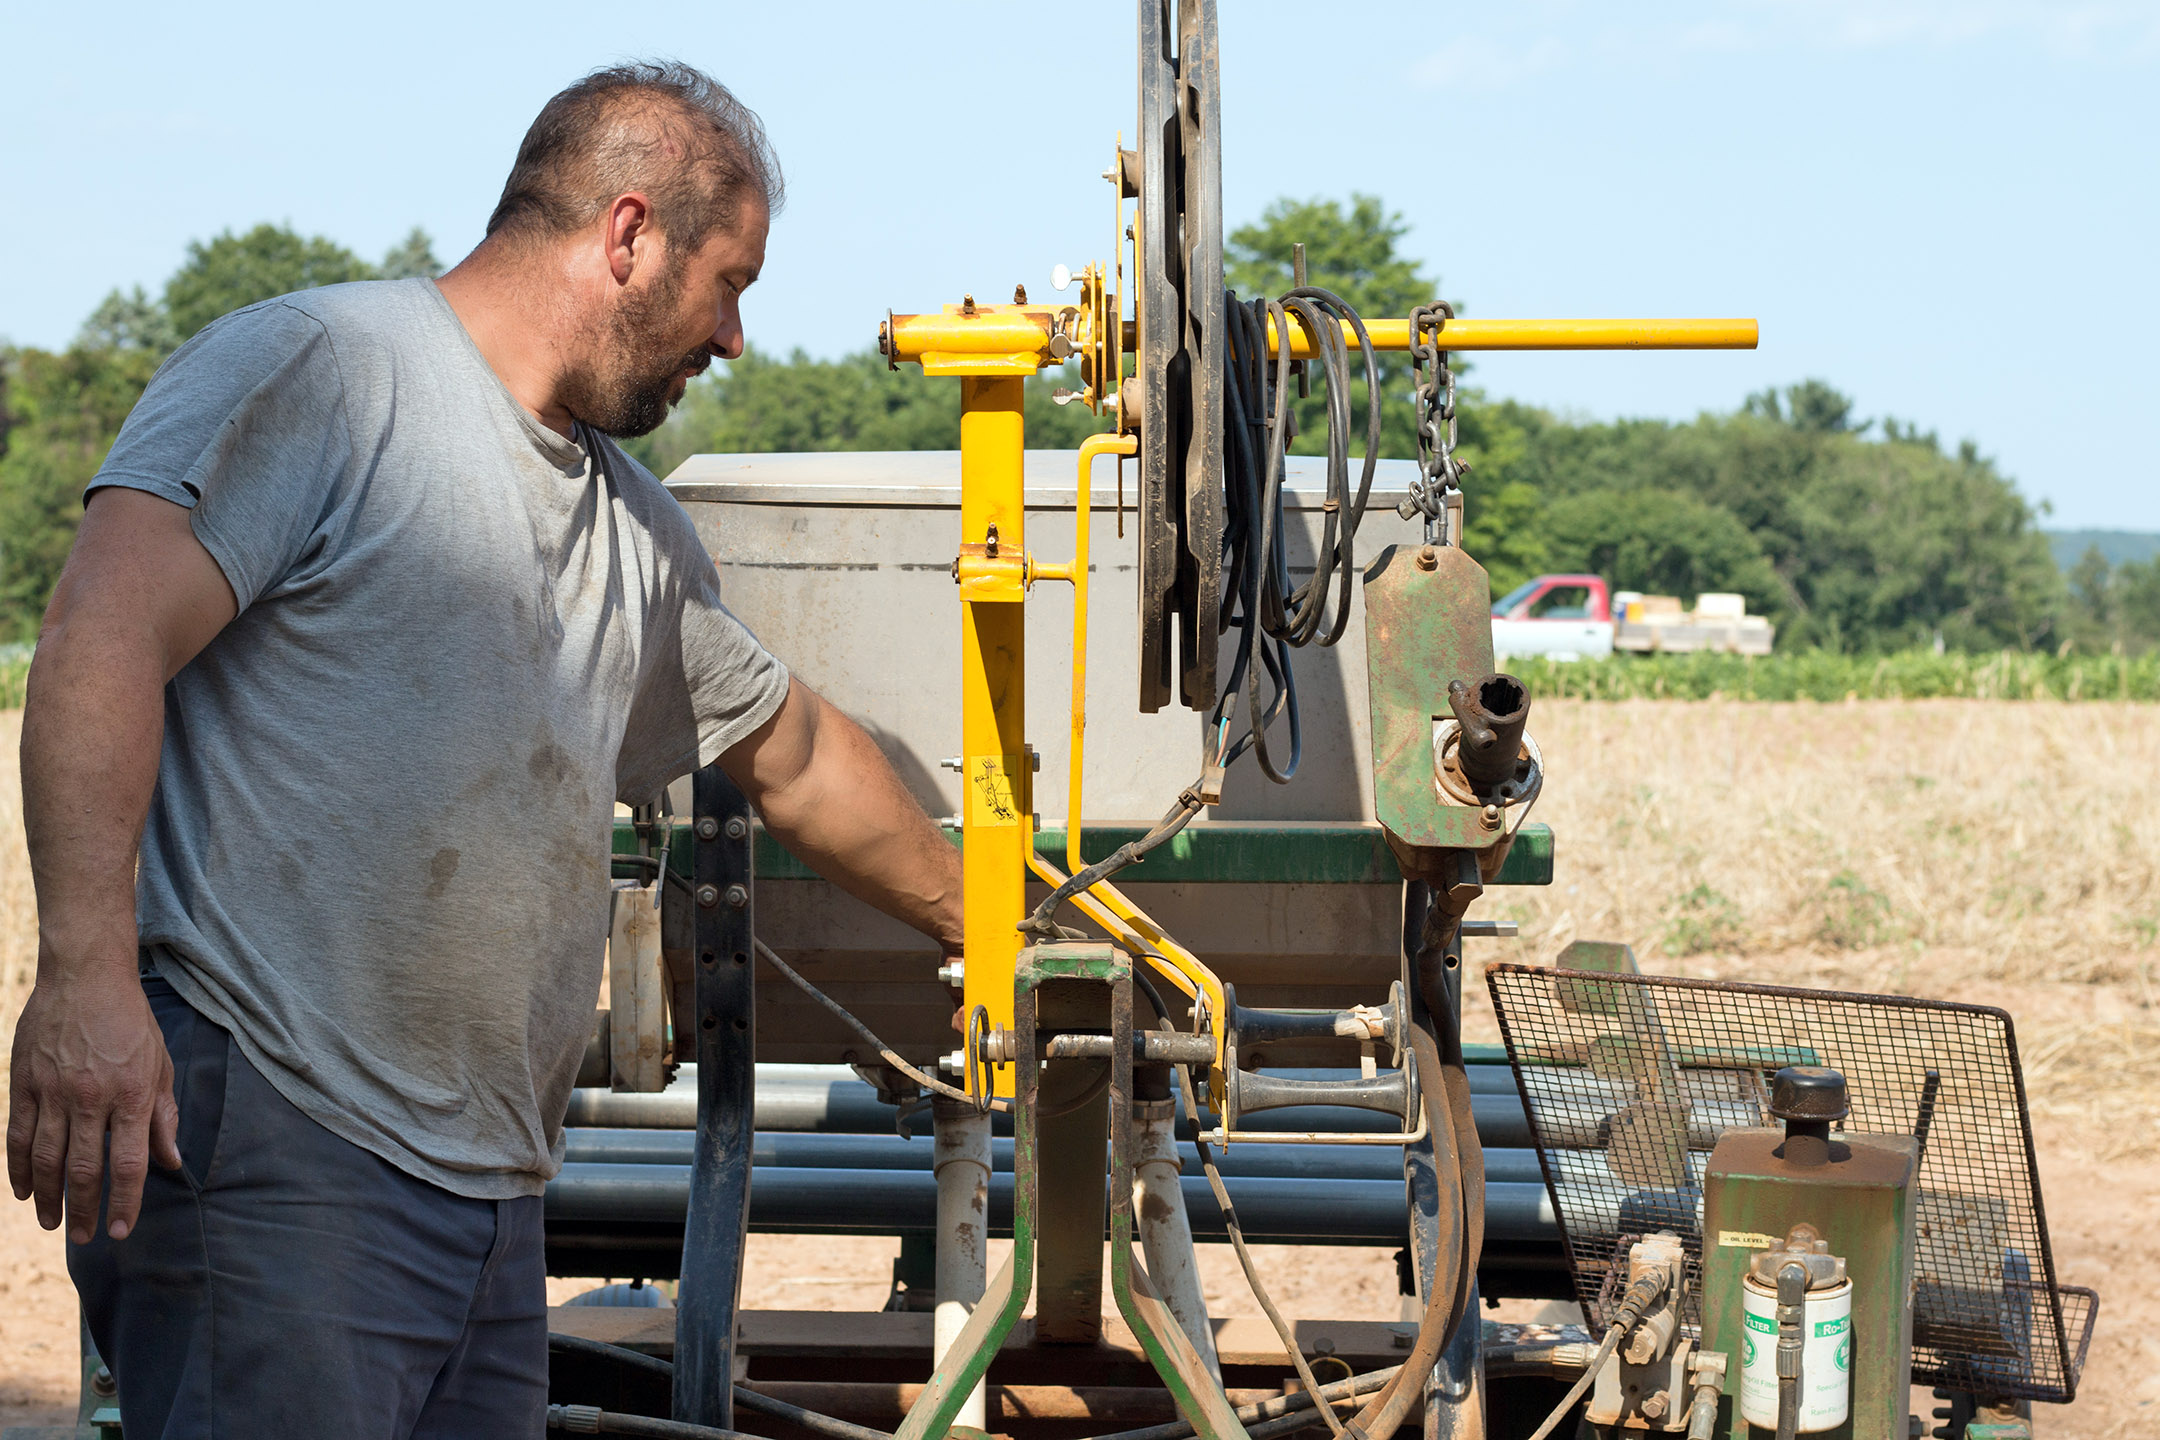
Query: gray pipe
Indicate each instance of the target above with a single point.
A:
(828, 1099)
(890, 1152)
(797, 1200)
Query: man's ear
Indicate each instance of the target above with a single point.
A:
(631, 234)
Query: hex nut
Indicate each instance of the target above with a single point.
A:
(707, 828)
(708, 895)
(737, 897)
(737, 828)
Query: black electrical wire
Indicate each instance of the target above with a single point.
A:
(623, 1355)
(885, 1052)
(591, 1420)
(747, 1399)
(1236, 1233)
(1270, 614)
(1279, 1416)
(1175, 819)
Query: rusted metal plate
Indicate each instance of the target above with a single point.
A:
(1428, 620)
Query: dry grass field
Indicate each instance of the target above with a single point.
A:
(2007, 854)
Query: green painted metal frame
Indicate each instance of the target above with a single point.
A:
(1221, 852)
(965, 1364)
(1199, 1397)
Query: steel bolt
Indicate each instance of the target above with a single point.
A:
(951, 973)
(954, 1063)
(707, 828)
(1428, 558)
(1655, 1405)
(102, 1382)
(1490, 817)
(737, 897)
(737, 828)
(1323, 1346)
(708, 895)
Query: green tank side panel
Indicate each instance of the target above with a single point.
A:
(1865, 1208)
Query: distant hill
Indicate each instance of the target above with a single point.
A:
(2117, 545)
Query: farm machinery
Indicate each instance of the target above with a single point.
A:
(1230, 1007)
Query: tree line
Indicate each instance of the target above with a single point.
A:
(1854, 535)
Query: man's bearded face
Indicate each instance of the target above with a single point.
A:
(637, 369)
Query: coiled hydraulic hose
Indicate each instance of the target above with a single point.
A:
(1270, 614)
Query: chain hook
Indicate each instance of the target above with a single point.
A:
(1439, 472)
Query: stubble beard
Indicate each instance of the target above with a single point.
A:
(623, 388)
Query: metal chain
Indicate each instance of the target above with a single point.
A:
(1438, 487)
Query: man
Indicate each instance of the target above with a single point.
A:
(368, 627)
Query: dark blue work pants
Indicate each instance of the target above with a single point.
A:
(287, 1282)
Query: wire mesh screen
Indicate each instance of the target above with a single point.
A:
(1628, 1081)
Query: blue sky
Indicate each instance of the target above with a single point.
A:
(1945, 207)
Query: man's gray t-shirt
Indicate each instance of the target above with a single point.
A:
(377, 852)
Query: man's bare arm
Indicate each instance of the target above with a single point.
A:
(138, 598)
(826, 790)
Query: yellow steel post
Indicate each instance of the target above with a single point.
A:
(997, 821)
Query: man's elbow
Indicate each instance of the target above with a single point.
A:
(774, 764)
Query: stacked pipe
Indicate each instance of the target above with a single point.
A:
(827, 1159)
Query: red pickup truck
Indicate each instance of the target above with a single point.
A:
(1573, 617)
(1557, 616)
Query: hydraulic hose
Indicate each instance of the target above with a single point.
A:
(1640, 1296)
(1456, 1261)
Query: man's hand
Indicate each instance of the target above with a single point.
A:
(89, 1059)
(138, 598)
(829, 794)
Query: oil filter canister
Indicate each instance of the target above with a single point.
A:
(1826, 1356)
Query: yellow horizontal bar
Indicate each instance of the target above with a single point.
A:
(1009, 338)
(999, 331)
(1547, 335)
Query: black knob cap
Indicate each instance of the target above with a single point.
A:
(1808, 1092)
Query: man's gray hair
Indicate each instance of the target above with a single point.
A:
(660, 127)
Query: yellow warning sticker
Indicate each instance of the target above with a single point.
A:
(990, 790)
(1748, 1240)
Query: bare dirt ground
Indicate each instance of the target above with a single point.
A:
(2002, 854)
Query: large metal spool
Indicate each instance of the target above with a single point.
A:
(1178, 307)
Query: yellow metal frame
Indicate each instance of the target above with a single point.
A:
(997, 808)
(991, 349)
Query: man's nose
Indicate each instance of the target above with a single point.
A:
(727, 339)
